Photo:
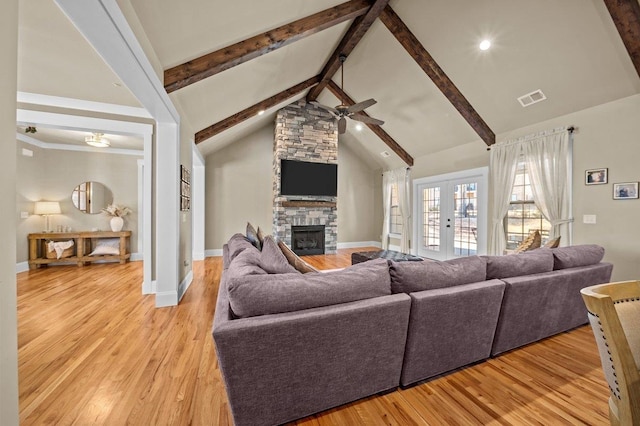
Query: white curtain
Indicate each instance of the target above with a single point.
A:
(387, 181)
(502, 165)
(547, 161)
(402, 179)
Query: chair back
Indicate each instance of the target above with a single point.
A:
(614, 314)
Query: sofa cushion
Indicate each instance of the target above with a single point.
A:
(272, 260)
(252, 236)
(527, 263)
(261, 295)
(574, 256)
(294, 260)
(237, 243)
(407, 277)
(246, 263)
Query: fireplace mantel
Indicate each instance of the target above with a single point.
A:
(309, 203)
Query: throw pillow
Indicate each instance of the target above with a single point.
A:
(252, 236)
(553, 243)
(294, 260)
(408, 277)
(527, 263)
(106, 246)
(575, 256)
(261, 235)
(533, 241)
(272, 260)
(262, 295)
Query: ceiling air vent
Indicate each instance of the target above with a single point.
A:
(385, 154)
(532, 98)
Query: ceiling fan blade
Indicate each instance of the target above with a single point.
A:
(342, 125)
(361, 105)
(366, 119)
(326, 108)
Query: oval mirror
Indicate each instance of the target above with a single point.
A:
(91, 197)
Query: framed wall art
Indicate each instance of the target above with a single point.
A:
(596, 176)
(625, 191)
(185, 189)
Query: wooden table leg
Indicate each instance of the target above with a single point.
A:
(33, 253)
(123, 249)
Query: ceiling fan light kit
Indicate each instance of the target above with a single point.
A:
(343, 111)
(97, 140)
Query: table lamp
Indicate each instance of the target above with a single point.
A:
(47, 208)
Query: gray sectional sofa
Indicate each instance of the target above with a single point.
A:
(292, 344)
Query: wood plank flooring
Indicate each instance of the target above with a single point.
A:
(94, 351)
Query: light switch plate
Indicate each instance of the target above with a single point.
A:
(589, 218)
(24, 215)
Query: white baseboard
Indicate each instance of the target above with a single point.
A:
(166, 298)
(184, 285)
(148, 288)
(199, 255)
(394, 248)
(213, 252)
(357, 244)
(22, 267)
(135, 257)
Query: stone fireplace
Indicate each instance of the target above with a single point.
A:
(304, 132)
(307, 240)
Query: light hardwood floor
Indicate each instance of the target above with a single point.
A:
(93, 350)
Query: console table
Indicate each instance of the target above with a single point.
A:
(83, 245)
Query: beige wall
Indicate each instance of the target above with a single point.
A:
(8, 302)
(52, 174)
(238, 185)
(186, 232)
(607, 136)
(239, 189)
(356, 197)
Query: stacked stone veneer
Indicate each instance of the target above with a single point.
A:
(304, 132)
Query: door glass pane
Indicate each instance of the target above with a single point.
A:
(431, 218)
(465, 238)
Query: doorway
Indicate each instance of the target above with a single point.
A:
(450, 214)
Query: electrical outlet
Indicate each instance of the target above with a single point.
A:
(589, 218)
(24, 215)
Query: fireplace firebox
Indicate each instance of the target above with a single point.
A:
(307, 240)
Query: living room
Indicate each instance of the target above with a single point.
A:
(594, 89)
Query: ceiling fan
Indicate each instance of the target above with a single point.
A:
(342, 111)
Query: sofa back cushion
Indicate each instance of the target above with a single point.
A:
(245, 263)
(237, 243)
(294, 260)
(575, 256)
(271, 294)
(408, 277)
(527, 263)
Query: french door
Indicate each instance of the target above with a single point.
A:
(450, 214)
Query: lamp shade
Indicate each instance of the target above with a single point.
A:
(47, 207)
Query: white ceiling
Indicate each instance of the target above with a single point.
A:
(77, 138)
(569, 49)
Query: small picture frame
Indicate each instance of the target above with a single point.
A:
(596, 176)
(625, 191)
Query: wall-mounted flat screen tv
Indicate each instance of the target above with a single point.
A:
(306, 178)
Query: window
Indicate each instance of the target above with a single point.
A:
(395, 219)
(523, 215)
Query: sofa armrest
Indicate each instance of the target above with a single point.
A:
(281, 367)
(450, 328)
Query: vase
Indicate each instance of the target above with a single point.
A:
(116, 223)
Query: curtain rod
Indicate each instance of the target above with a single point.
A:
(570, 129)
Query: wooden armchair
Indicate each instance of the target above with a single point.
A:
(614, 314)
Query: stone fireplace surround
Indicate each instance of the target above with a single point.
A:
(304, 132)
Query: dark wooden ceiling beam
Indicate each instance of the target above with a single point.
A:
(253, 110)
(391, 143)
(626, 16)
(352, 37)
(417, 51)
(205, 66)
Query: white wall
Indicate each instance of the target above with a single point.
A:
(8, 303)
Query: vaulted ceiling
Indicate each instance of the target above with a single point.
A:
(571, 50)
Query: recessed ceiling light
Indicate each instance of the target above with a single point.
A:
(358, 127)
(385, 154)
(261, 112)
(485, 45)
